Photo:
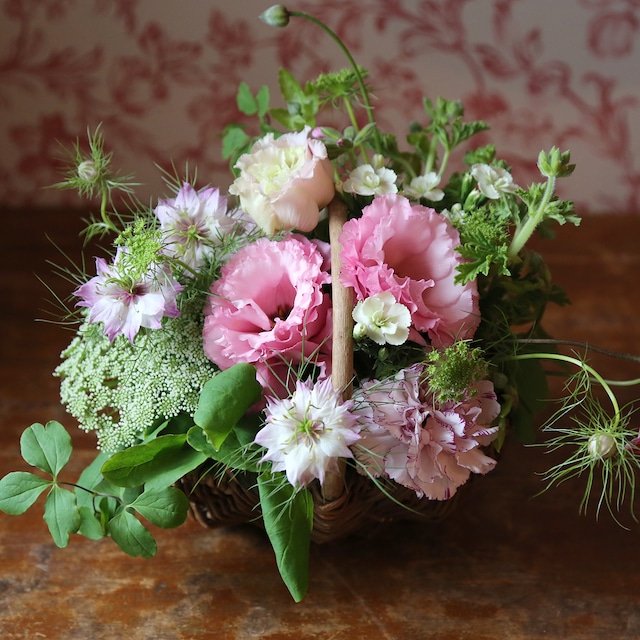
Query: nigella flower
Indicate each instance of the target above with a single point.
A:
(193, 222)
(125, 304)
(308, 432)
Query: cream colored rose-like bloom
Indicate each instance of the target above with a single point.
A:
(284, 182)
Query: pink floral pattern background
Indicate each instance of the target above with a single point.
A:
(161, 76)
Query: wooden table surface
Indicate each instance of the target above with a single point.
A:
(506, 564)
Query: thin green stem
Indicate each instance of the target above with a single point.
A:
(354, 123)
(354, 66)
(581, 365)
(524, 232)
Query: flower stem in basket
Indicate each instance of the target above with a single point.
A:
(342, 349)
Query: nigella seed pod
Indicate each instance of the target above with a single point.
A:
(276, 16)
(602, 446)
(87, 171)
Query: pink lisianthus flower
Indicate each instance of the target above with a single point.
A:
(123, 305)
(285, 181)
(409, 250)
(269, 308)
(430, 449)
(192, 223)
(308, 432)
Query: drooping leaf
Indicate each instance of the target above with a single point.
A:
(245, 100)
(19, 490)
(90, 525)
(288, 520)
(166, 508)
(225, 399)
(159, 462)
(131, 535)
(47, 448)
(61, 515)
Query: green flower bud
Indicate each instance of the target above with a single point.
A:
(602, 446)
(276, 16)
(87, 171)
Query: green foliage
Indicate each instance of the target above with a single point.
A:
(95, 507)
(225, 399)
(288, 520)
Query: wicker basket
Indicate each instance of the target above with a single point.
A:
(347, 503)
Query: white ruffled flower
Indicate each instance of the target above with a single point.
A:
(307, 433)
(366, 180)
(382, 319)
(493, 181)
(425, 186)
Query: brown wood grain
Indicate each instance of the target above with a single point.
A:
(506, 564)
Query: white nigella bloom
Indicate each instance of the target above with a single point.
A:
(425, 186)
(493, 181)
(382, 319)
(308, 432)
(371, 180)
(193, 222)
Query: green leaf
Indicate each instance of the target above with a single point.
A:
(47, 448)
(245, 100)
(234, 139)
(262, 98)
(90, 526)
(288, 520)
(19, 490)
(61, 515)
(166, 508)
(289, 87)
(131, 535)
(232, 453)
(90, 479)
(224, 400)
(159, 462)
(529, 378)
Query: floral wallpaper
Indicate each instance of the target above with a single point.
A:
(161, 77)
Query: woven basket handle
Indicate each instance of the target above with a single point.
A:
(342, 350)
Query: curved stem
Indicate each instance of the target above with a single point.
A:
(352, 62)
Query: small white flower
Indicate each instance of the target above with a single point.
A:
(493, 181)
(382, 319)
(366, 180)
(306, 434)
(456, 215)
(425, 186)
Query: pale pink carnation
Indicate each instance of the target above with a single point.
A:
(430, 449)
(123, 306)
(308, 432)
(409, 250)
(269, 308)
(284, 182)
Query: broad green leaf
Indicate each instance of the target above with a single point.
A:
(159, 462)
(90, 526)
(290, 87)
(288, 520)
(234, 138)
(90, 479)
(225, 399)
(131, 535)
(19, 490)
(166, 508)
(47, 448)
(262, 98)
(245, 100)
(61, 515)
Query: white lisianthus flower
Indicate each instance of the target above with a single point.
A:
(424, 186)
(284, 182)
(493, 181)
(365, 180)
(307, 433)
(382, 319)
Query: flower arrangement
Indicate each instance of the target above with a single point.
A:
(351, 312)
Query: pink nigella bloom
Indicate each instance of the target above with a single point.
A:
(410, 251)
(193, 222)
(124, 306)
(429, 449)
(269, 308)
(307, 433)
